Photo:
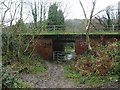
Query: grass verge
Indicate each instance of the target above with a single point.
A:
(28, 65)
(89, 80)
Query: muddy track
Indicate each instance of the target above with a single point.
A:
(52, 78)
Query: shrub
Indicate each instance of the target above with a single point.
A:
(99, 61)
(9, 81)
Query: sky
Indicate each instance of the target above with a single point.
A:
(76, 10)
(72, 8)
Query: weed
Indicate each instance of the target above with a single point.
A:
(69, 73)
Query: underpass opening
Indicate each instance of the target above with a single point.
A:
(63, 50)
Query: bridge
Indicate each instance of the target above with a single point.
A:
(46, 45)
(52, 39)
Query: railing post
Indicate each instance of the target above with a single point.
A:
(113, 28)
(54, 28)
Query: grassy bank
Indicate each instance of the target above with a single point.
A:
(95, 68)
(90, 80)
(27, 65)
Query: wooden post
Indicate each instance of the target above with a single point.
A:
(54, 27)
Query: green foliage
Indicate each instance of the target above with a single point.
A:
(52, 14)
(55, 17)
(69, 47)
(60, 19)
(37, 68)
(32, 64)
(15, 59)
(66, 32)
(115, 69)
(18, 27)
(97, 80)
(11, 45)
(90, 79)
(97, 67)
(11, 81)
(70, 73)
(114, 50)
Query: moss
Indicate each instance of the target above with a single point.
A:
(69, 33)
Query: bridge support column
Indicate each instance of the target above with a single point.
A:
(44, 47)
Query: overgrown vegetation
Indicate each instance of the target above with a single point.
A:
(17, 58)
(11, 81)
(99, 66)
(27, 65)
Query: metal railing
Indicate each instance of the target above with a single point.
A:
(66, 29)
(55, 27)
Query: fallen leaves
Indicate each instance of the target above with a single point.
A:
(101, 64)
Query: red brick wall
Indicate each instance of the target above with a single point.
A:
(43, 47)
(80, 46)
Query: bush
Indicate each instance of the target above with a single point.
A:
(9, 81)
(96, 67)
(99, 61)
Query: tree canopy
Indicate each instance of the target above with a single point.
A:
(55, 16)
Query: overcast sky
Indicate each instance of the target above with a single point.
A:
(73, 10)
(76, 11)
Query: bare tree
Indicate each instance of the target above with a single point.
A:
(34, 13)
(44, 17)
(12, 14)
(39, 14)
(8, 5)
(7, 8)
(88, 22)
(119, 16)
(20, 29)
(108, 18)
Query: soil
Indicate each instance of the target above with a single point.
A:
(54, 78)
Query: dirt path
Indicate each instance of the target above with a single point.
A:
(52, 78)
